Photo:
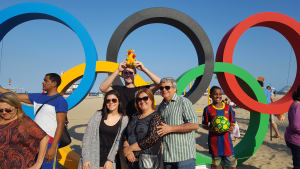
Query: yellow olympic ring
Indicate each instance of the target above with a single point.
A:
(75, 73)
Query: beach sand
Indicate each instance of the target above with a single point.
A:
(271, 155)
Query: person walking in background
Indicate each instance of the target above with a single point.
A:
(272, 116)
(50, 114)
(103, 135)
(279, 116)
(292, 133)
(179, 127)
(23, 144)
(220, 144)
(142, 135)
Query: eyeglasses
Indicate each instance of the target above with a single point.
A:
(164, 87)
(128, 73)
(6, 110)
(142, 98)
(111, 100)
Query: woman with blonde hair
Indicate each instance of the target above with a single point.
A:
(142, 148)
(23, 143)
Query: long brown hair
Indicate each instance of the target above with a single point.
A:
(149, 94)
(12, 100)
(104, 107)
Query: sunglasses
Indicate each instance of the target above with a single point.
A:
(6, 110)
(128, 73)
(164, 87)
(111, 100)
(142, 98)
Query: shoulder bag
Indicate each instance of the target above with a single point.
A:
(65, 138)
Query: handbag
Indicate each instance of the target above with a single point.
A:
(148, 161)
(65, 138)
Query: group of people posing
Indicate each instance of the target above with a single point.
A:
(128, 132)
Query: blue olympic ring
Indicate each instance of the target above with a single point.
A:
(17, 14)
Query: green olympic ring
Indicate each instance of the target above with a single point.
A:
(258, 124)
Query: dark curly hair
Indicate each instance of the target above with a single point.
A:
(54, 77)
(212, 89)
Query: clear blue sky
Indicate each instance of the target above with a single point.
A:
(37, 47)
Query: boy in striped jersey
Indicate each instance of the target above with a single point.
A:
(220, 144)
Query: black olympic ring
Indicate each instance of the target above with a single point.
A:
(178, 20)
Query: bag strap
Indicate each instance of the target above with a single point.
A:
(45, 103)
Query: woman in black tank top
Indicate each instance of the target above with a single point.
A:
(108, 130)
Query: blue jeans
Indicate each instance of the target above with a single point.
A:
(295, 153)
(52, 164)
(186, 164)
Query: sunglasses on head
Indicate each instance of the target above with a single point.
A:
(6, 110)
(142, 98)
(128, 73)
(111, 100)
(164, 87)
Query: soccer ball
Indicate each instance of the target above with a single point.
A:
(221, 124)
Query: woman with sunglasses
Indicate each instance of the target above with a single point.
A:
(103, 135)
(23, 143)
(142, 148)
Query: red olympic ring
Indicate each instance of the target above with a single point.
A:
(286, 26)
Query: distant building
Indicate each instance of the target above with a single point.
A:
(72, 88)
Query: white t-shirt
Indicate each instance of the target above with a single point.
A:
(46, 117)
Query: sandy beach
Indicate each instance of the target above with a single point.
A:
(271, 155)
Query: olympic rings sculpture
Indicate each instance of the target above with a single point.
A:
(15, 15)
(178, 20)
(226, 72)
(286, 26)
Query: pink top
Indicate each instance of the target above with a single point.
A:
(292, 133)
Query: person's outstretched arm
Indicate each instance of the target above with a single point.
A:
(23, 97)
(106, 84)
(151, 75)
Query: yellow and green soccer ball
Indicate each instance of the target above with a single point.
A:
(221, 124)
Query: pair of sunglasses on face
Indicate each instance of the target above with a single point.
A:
(164, 87)
(142, 98)
(127, 73)
(6, 110)
(111, 100)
